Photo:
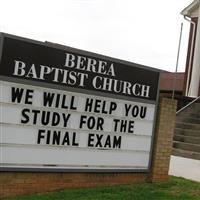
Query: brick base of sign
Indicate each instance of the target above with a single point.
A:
(26, 183)
(15, 184)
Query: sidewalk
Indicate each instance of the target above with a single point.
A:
(185, 167)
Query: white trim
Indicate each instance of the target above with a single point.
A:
(189, 11)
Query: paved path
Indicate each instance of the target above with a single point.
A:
(185, 167)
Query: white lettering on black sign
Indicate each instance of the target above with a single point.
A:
(41, 63)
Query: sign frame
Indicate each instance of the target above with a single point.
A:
(96, 93)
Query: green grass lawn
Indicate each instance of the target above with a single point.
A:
(175, 189)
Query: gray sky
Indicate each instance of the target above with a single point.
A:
(144, 32)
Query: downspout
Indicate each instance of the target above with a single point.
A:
(191, 53)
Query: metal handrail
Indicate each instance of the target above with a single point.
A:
(189, 104)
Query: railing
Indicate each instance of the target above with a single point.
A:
(189, 104)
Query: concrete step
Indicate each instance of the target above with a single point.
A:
(194, 108)
(188, 119)
(187, 139)
(194, 115)
(186, 154)
(186, 146)
(187, 132)
(190, 112)
(184, 125)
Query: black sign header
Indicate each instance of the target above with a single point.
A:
(44, 62)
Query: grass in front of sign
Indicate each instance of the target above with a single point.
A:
(175, 189)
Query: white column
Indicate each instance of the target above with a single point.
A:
(195, 78)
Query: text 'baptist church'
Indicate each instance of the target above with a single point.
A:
(80, 77)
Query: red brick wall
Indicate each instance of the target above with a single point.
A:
(19, 183)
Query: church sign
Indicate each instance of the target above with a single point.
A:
(63, 109)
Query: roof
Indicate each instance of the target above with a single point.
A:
(167, 81)
(192, 9)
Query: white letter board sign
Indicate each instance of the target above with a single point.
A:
(63, 109)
